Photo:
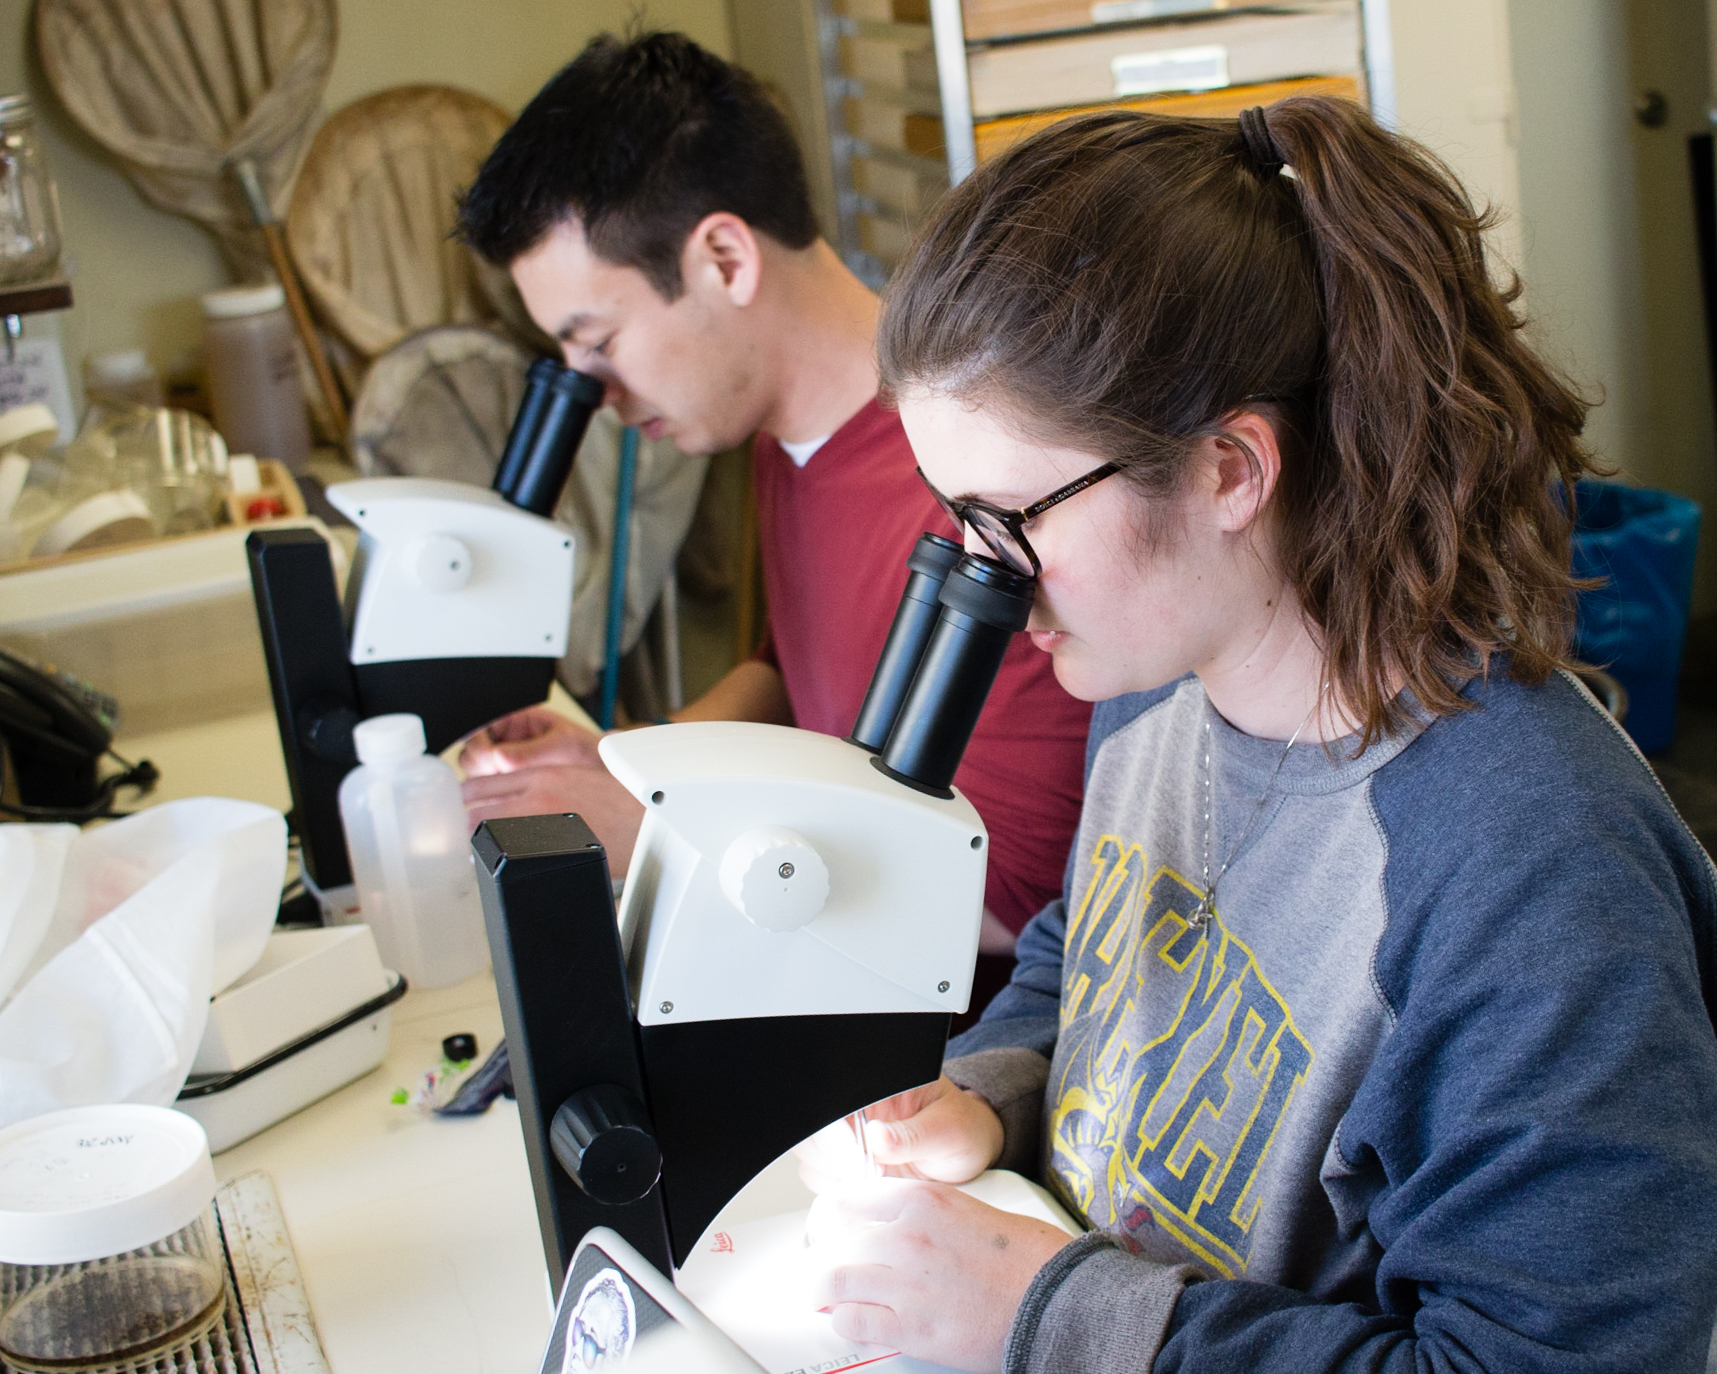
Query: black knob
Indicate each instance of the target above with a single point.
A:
(325, 725)
(602, 1138)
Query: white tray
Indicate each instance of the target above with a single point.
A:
(235, 1106)
(304, 981)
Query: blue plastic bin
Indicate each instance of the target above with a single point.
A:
(1641, 542)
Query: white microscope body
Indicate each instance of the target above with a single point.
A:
(778, 873)
(449, 570)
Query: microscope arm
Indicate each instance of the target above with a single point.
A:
(456, 610)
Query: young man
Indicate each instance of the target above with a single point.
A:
(651, 204)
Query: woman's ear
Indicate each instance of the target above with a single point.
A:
(1248, 463)
(722, 255)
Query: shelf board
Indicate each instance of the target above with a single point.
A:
(32, 298)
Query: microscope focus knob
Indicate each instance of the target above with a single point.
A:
(440, 563)
(603, 1140)
(775, 878)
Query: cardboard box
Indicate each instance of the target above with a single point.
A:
(1109, 64)
(995, 136)
(898, 64)
(885, 11)
(895, 126)
(1015, 18)
(885, 238)
(167, 627)
(908, 186)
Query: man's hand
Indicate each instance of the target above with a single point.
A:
(536, 762)
(938, 1132)
(525, 738)
(929, 1271)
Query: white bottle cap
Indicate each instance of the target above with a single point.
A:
(389, 739)
(14, 472)
(237, 301)
(27, 422)
(128, 365)
(243, 474)
(89, 1182)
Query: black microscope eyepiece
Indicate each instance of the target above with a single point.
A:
(546, 433)
(983, 605)
(928, 566)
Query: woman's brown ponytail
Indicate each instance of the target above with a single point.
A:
(1124, 283)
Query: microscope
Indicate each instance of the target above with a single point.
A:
(456, 609)
(799, 921)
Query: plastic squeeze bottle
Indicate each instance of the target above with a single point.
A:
(411, 855)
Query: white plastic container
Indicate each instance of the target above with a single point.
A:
(108, 1246)
(252, 355)
(122, 379)
(410, 844)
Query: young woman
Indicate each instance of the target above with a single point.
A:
(1371, 1032)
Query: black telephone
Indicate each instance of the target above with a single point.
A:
(55, 742)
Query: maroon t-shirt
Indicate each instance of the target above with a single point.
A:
(835, 535)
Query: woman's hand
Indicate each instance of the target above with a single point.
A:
(939, 1132)
(929, 1271)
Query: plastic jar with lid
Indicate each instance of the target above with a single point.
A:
(252, 355)
(29, 205)
(117, 380)
(109, 1250)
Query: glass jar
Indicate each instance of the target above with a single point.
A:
(29, 204)
(109, 1250)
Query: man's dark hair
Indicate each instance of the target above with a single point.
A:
(640, 139)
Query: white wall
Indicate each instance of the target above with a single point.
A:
(1581, 224)
(1454, 92)
(1531, 101)
(137, 271)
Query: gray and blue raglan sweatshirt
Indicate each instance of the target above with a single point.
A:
(1435, 1090)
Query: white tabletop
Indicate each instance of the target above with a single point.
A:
(417, 1235)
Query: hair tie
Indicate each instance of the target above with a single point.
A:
(1260, 146)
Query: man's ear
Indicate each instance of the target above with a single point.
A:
(1246, 460)
(722, 255)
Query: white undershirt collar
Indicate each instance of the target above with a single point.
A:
(801, 453)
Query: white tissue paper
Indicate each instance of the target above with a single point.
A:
(116, 938)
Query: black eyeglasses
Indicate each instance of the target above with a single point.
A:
(1003, 531)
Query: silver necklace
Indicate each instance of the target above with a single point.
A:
(1206, 907)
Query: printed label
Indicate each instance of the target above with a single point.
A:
(1203, 68)
(1122, 11)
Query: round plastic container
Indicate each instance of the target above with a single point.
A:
(109, 1250)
